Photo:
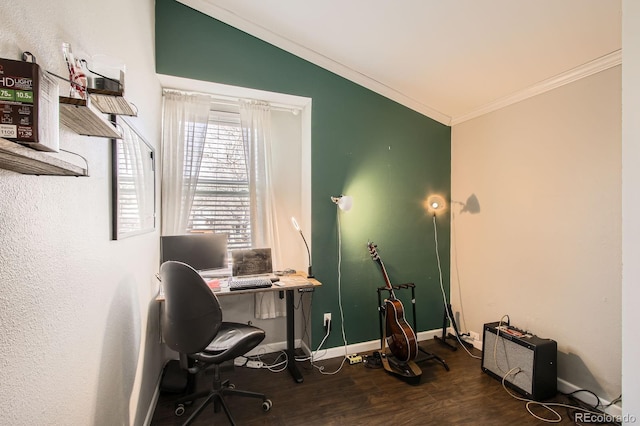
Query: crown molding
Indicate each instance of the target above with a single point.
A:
(314, 57)
(597, 65)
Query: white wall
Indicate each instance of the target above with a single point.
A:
(78, 324)
(630, 209)
(546, 246)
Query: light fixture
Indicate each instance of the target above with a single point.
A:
(295, 225)
(344, 202)
(435, 204)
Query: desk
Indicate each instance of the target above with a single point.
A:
(290, 284)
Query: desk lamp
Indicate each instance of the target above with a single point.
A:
(295, 225)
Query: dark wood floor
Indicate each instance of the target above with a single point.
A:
(358, 395)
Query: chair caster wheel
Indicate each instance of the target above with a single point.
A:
(179, 410)
(266, 405)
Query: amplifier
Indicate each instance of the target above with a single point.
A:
(507, 349)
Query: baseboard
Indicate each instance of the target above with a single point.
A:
(476, 343)
(451, 331)
(273, 347)
(338, 350)
(566, 387)
(371, 345)
(154, 401)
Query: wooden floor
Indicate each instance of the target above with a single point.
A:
(358, 395)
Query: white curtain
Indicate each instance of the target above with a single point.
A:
(255, 119)
(137, 165)
(184, 126)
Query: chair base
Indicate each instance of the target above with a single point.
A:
(216, 395)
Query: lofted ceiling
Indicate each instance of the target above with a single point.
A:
(451, 60)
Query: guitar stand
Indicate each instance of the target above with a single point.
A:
(407, 370)
(456, 337)
(426, 355)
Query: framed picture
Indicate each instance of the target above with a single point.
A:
(133, 183)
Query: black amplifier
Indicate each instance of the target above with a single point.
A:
(527, 363)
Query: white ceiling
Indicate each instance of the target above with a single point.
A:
(451, 60)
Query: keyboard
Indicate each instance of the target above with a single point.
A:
(249, 283)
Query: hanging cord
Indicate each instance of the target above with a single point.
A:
(86, 163)
(84, 61)
(306, 332)
(305, 329)
(514, 371)
(495, 345)
(344, 337)
(312, 357)
(444, 296)
(455, 257)
(72, 83)
(278, 365)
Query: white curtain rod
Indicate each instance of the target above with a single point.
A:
(233, 101)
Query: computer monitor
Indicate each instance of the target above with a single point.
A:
(202, 252)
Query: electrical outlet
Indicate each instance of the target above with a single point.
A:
(474, 335)
(326, 321)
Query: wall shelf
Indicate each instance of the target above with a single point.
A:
(85, 119)
(28, 161)
(110, 102)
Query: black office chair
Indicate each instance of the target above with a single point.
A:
(192, 325)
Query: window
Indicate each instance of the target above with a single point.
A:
(133, 186)
(221, 202)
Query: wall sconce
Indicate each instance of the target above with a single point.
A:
(295, 225)
(435, 204)
(344, 202)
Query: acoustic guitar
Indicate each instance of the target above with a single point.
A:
(400, 336)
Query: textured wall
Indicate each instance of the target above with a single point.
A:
(78, 325)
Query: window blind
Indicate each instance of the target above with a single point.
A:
(221, 202)
(128, 214)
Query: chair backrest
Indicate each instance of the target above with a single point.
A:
(191, 315)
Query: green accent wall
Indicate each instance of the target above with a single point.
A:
(389, 158)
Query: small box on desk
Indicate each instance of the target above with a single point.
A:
(507, 351)
(29, 110)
